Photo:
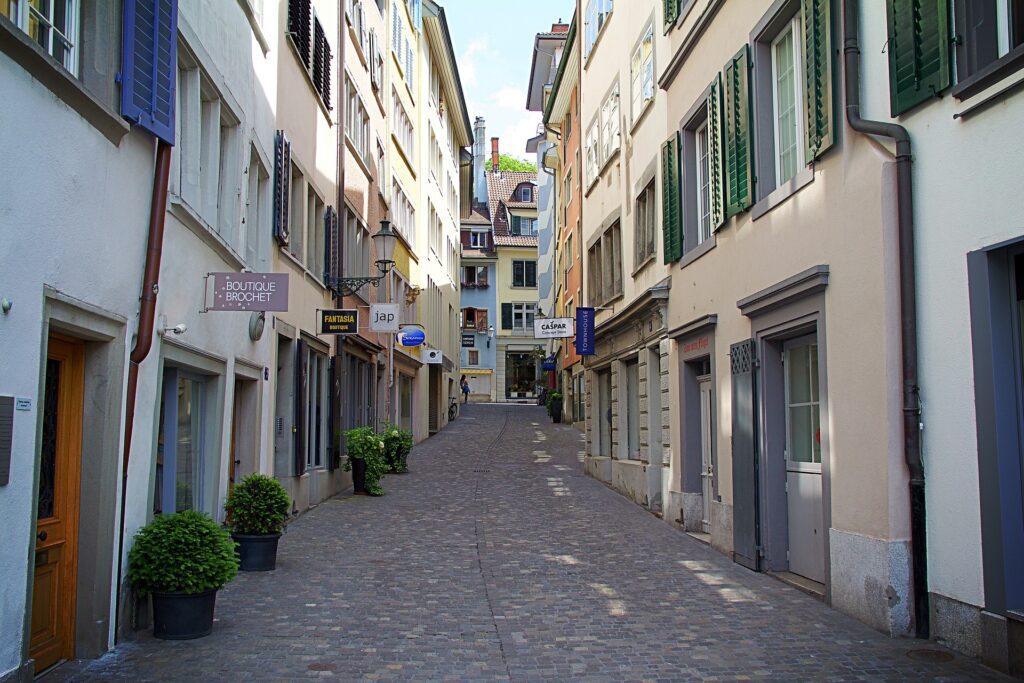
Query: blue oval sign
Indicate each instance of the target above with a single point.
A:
(411, 337)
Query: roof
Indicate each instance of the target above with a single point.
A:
(500, 189)
(515, 241)
(541, 70)
(477, 216)
(567, 76)
(437, 33)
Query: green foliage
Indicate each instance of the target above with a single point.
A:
(257, 505)
(397, 445)
(553, 398)
(507, 162)
(365, 444)
(186, 552)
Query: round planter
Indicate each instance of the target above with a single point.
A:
(183, 616)
(359, 475)
(257, 553)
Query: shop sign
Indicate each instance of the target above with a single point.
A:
(412, 336)
(249, 292)
(549, 364)
(384, 317)
(552, 328)
(345, 321)
(468, 340)
(585, 331)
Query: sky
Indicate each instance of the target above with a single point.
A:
(493, 44)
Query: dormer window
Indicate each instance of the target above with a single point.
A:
(525, 193)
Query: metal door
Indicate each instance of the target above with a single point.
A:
(707, 471)
(803, 459)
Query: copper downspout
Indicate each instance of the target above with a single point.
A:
(144, 336)
(908, 310)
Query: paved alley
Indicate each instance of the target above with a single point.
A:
(496, 558)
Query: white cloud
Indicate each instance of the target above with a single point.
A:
(515, 134)
(468, 60)
(510, 97)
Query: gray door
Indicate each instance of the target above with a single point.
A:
(707, 471)
(604, 415)
(803, 460)
(633, 410)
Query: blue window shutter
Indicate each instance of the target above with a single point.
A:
(149, 65)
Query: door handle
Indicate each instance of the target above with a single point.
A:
(41, 536)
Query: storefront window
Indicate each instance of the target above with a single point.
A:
(520, 375)
(181, 454)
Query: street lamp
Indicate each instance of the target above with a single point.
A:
(385, 240)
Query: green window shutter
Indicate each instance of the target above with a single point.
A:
(671, 12)
(671, 223)
(715, 152)
(919, 45)
(506, 316)
(817, 21)
(738, 133)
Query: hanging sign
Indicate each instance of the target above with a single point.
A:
(468, 340)
(585, 331)
(552, 328)
(345, 321)
(249, 292)
(549, 363)
(384, 317)
(411, 336)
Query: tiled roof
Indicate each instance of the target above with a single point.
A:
(478, 216)
(515, 240)
(500, 187)
(521, 205)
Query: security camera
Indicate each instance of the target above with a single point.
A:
(180, 329)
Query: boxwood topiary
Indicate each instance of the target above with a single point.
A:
(186, 552)
(257, 505)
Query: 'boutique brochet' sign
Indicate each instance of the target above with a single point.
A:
(249, 292)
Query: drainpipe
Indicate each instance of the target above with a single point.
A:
(143, 338)
(908, 310)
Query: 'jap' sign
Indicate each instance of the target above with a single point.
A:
(249, 292)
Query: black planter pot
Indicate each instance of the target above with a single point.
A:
(556, 412)
(359, 475)
(257, 553)
(183, 616)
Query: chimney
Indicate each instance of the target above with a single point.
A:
(494, 155)
(479, 158)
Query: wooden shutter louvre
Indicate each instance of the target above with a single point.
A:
(319, 54)
(717, 179)
(817, 50)
(739, 143)
(671, 13)
(282, 186)
(149, 65)
(671, 224)
(325, 87)
(919, 47)
(332, 249)
(506, 316)
(300, 17)
(746, 533)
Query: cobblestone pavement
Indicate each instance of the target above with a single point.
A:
(496, 558)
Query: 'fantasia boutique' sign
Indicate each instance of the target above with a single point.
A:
(345, 321)
(552, 328)
(249, 292)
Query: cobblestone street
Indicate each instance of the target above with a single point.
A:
(496, 558)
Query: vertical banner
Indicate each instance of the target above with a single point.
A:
(585, 331)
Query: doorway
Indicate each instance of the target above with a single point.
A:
(604, 412)
(60, 457)
(520, 375)
(707, 469)
(245, 433)
(632, 372)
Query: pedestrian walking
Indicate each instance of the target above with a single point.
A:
(464, 383)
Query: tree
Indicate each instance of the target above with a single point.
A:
(507, 162)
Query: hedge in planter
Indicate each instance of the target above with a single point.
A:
(257, 507)
(363, 445)
(397, 446)
(182, 560)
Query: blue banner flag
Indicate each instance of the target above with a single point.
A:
(585, 331)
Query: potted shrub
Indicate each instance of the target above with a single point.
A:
(257, 507)
(182, 560)
(365, 460)
(397, 446)
(555, 406)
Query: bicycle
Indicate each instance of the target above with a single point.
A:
(453, 408)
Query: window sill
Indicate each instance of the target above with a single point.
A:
(47, 71)
(1003, 67)
(600, 171)
(648, 260)
(181, 210)
(404, 155)
(358, 158)
(779, 195)
(255, 25)
(360, 52)
(698, 251)
(324, 107)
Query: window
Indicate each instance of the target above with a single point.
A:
(474, 319)
(53, 24)
(786, 98)
(593, 155)
(381, 164)
(604, 260)
(403, 130)
(257, 210)
(522, 317)
(435, 158)
(702, 174)
(357, 245)
(567, 191)
(403, 215)
(643, 231)
(357, 121)
(610, 124)
(987, 30)
(474, 276)
(181, 475)
(312, 47)
(297, 237)
(478, 239)
(803, 414)
(642, 73)
(315, 233)
(316, 398)
(357, 23)
(524, 273)
(597, 15)
(436, 230)
(569, 256)
(473, 357)
(526, 193)
(376, 58)
(522, 225)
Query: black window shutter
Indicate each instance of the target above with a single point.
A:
(326, 87)
(506, 316)
(299, 417)
(282, 186)
(977, 35)
(149, 65)
(332, 248)
(744, 454)
(817, 42)
(531, 273)
(919, 60)
(518, 278)
(299, 21)
(319, 42)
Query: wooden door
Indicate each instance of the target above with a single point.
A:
(53, 592)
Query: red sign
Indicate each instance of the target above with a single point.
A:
(696, 345)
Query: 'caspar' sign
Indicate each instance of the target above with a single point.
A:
(552, 328)
(249, 292)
